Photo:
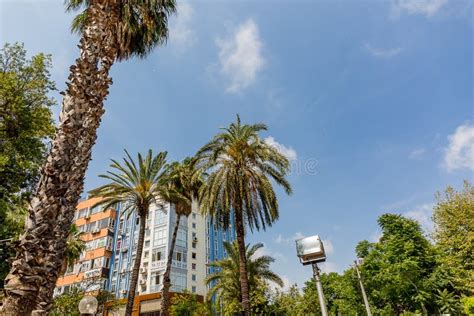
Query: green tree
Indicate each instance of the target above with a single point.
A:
(187, 304)
(185, 180)
(137, 186)
(25, 127)
(290, 302)
(110, 31)
(241, 166)
(225, 282)
(454, 235)
(397, 267)
(67, 303)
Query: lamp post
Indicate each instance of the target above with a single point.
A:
(364, 295)
(310, 250)
(88, 306)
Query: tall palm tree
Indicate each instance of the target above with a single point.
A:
(111, 30)
(225, 282)
(241, 168)
(185, 179)
(137, 186)
(75, 247)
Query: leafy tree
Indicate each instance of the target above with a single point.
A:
(185, 180)
(398, 264)
(288, 303)
(187, 304)
(25, 126)
(225, 282)
(454, 235)
(241, 166)
(67, 303)
(110, 31)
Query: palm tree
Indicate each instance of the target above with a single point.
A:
(225, 282)
(186, 180)
(136, 186)
(241, 166)
(75, 247)
(110, 31)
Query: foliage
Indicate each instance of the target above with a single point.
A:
(242, 169)
(25, 126)
(142, 24)
(468, 305)
(187, 304)
(225, 282)
(67, 303)
(137, 185)
(75, 245)
(454, 235)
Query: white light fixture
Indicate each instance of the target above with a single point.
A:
(310, 250)
(88, 305)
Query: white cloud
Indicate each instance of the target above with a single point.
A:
(288, 152)
(240, 56)
(382, 52)
(422, 214)
(328, 247)
(424, 7)
(181, 33)
(460, 152)
(375, 236)
(289, 240)
(417, 154)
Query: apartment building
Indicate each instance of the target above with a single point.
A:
(91, 271)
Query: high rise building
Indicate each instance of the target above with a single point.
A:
(91, 271)
(111, 237)
(188, 270)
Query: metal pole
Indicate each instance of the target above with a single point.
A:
(364, 296)
(319, 287)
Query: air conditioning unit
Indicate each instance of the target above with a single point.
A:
(124, 249)
(142, 270)
(142, 281)
(123, 291)
(195, 239)
(123, 270)
(96, 231)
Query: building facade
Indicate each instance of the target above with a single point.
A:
(111, 238)
(189, 260)
(91, 271)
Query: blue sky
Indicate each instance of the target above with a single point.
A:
(372, 101)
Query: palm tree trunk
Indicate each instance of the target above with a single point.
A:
(136, 266)
(40, 251)
(244, 282)
(165, 300)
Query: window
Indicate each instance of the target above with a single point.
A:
(181, 239)
(156, 278)
(158, 254)
(194, 266)
(178, 281)
(194, 245)
(194, 215)
(160, 217)
(193, 289)
(159, 237)
(147, 243)
(147, 232)
(193, 277)
(194, 225)
(193, 255)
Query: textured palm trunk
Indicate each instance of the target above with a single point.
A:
(136, 266)
(30, 284)
(244, 282)
(165, 300)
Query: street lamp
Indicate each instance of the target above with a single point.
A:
(310, 250)
(88, 305)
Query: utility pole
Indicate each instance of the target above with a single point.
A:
(319, 287)
(366, 301)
